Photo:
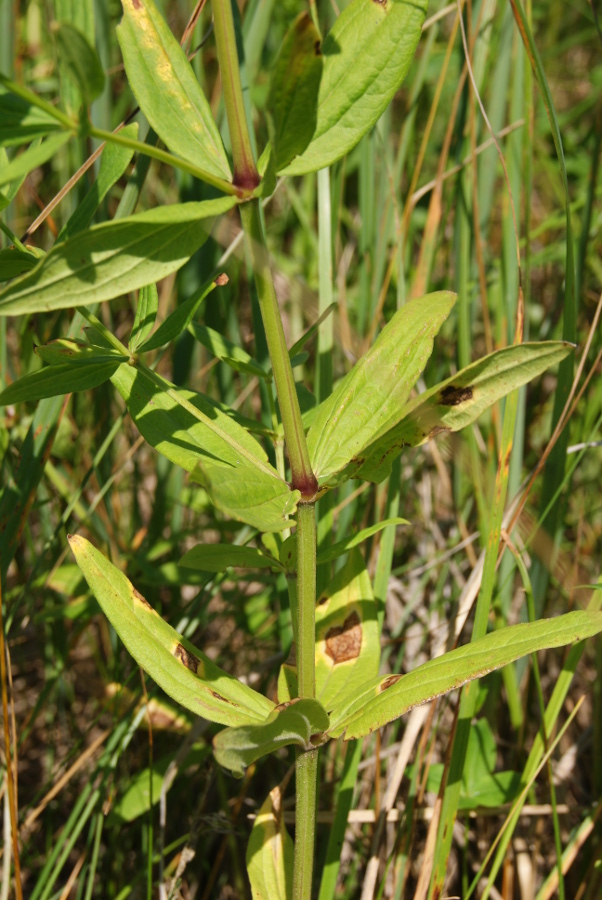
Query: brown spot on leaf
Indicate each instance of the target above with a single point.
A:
(137, 4)
(223, 699)
(453, 396)
(344, 642)
(187, 658)
(389, 682)
(318, 48)
(438, 429)
(143, 600)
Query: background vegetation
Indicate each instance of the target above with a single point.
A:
(117, 789)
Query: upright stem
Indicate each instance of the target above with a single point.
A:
(303, 478)
(245, 170)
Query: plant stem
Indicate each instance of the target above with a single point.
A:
(245, 170)
(306, 777)
(306, 599)
(302, 476)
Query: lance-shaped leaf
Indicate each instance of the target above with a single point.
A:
(390, 697)
(193, 433)
(146, 313)
(30, 159)
(80, 59)
(249, 495)
(60, 379)
(180, 318)
(376, 389)
(185, 673)
(347, 637)
(114, 257)
(21, 121)
(366, 56)
(66, 350)
(167, 90)
(219, 557)
(299, 722)
(294, 84)
(230, 353)
(270, 852)
(14, 262)
(455, 403)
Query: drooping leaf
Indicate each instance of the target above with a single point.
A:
(385, 699)
(455, 403)
(70, 352)
(185, 673)
(218, 557)
(294, 84)
(347, 635)
(13, 262)
(80, 59)
(300, 722)
(228, 352)
(183, 425)
(113, 163)
(180, 318)
(21, 121)
(35, 155)
(167, 90)
(376, 389)
(249, 495)
(220, 454)
(146, 313)
(60, 379)
(366, 54)
(114, 257)
(270, 852)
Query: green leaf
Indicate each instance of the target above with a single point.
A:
(375, 391)
(113, 163)
(193, 433)
(294, 84)
(183, 425)
(61, 379)
(70, 352)
(455, 403)
(249, 495)
(167, 90)
(35, 155)
(219, 557)
(299, 722)
(390, 697)
(186, 674)
(146, 313)
(114, 257)
(270, 852)
(81, 60)
(347, 635)
(13, 262)
(181, 317)
(230, 353)
(366, 56)
(21, 121)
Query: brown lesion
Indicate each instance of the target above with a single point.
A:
(389, 682)
(187, 658)
(282, 706)
(142, 600)
(344, 642)
(453, 395)
(223, 699)
(438, 429)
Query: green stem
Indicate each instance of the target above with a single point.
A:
(306, 599)
(306, 775)
(302, 476)
(245, 170)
